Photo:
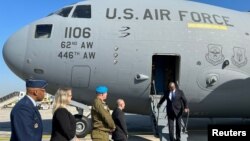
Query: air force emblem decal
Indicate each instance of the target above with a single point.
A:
(214, 55)
(239, 58)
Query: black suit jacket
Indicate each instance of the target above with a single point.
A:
(177, 105)
(26, 122)
(63, 125)
(120, 132)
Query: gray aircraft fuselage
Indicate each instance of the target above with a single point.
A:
(126, 44)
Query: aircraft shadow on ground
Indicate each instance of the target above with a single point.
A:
(137, 138)
(47, 126)
(5, 126)
(139, 124)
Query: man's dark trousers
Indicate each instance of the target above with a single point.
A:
(177, 119)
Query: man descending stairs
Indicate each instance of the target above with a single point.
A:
(160, 120)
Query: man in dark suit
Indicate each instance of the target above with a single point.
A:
(120, 133)
(176, 103)
(26, 122)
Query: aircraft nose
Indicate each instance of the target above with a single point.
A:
(14, 51)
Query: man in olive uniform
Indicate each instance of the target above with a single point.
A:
(102, 121)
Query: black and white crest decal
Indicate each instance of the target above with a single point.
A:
(239, 58)
(214, 55)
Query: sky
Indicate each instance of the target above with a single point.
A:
(15, 14)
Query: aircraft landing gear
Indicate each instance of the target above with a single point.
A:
(83, 126)
(83, 123)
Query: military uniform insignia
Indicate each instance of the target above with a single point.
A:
(239, 58)
(105, 107)
(214, 55)
(36, 125)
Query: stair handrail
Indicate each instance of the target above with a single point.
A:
(152, 98)
(153, 82)
(185, 125)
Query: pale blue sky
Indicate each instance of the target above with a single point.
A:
(14, 15)
(17, 13)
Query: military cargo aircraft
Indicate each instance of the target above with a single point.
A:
(136, 47)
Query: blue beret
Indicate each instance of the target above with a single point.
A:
(101, 89)
(32, 83)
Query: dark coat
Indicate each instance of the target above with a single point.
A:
(63, 125)
(177, 105)
(120, 132)
(26, 122)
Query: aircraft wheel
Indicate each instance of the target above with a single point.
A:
(83, 126)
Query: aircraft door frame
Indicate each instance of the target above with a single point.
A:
(165, 69)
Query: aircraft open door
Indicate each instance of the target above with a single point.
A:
(165, 69)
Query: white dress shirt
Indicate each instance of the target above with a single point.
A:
(32, 100)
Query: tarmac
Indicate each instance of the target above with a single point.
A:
(139, 126)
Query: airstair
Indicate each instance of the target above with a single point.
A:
(160, 120)
(9, 99)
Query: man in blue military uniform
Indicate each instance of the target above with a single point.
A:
(26, 122)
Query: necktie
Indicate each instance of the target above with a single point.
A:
(173, 96)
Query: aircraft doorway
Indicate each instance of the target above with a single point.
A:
(165, 68)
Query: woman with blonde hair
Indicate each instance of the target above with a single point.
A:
(63, 122)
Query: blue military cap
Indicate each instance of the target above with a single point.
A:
(33, 83)
(101, 89)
